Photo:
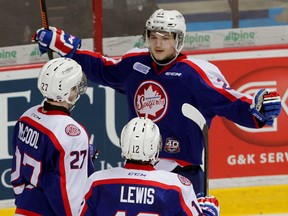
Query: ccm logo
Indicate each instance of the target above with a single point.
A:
(274, 78)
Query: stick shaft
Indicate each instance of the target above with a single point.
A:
(206, 161)
(45, 23)
(196, 116)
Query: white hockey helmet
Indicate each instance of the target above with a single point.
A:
(141, 140)
(59, 78)
(167, 21)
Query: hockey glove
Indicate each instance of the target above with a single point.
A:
(56, 40)
(209, 205)
(266, 106)
(93, 152)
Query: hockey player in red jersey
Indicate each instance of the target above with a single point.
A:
(51, 159)
(159, 79)
(140, 189)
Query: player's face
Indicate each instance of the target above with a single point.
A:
(162, 45)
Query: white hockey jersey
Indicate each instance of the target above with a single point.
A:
(139, 190)
(51, 163)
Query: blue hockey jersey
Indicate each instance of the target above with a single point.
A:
(51, 163)
(139, 190)
(159, 93)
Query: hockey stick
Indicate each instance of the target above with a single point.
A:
(93, 152)
(192, 113)
(44, 18)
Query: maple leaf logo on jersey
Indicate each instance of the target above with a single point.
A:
(72, 130)
(151, 100)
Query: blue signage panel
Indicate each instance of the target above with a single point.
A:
(101, 110)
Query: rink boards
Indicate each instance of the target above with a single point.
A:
(248, 169)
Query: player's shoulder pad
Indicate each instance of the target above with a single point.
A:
(100, 175)
(31, 109)
(172, 178)
(201, 63)
(185, 181)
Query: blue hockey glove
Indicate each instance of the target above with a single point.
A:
(209, 205)
(56, 40)
(266, 106)
(93, 152)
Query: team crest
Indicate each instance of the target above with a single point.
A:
(151, 100)
(72, 130)
(184, 180)
(172, 145)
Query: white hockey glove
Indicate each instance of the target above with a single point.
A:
(209, 205)
(266, 106)
(56, 40)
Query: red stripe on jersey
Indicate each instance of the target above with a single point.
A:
(180, 162)
(52, 112)
(141, 182)
(83, 211)
(147, 167)
(207, 80)
(132, 54)
(61, 164)
(25, 212)
(106, 60)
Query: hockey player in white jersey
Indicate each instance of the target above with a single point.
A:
(51, 158)
(139, 189)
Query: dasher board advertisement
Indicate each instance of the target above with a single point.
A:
(235, 152)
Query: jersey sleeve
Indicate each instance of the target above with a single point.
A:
(188, 196)
(103, 70)
(215, 96)
(71, 169)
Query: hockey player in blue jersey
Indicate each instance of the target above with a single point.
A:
(140, 189)
(51, 159)
(159, 79)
